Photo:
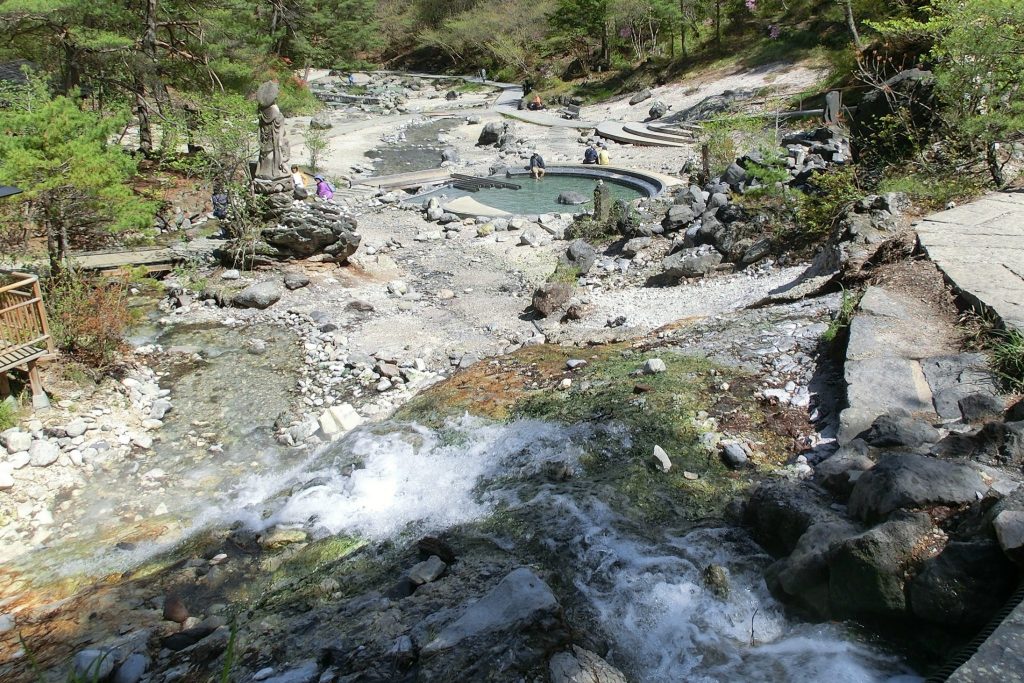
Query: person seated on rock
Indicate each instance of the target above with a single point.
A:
(324, 190)
(299, 191)
(590, 156)
(537, 169)
(535, 104)
(602, 157)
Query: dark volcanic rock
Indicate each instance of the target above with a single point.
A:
(964, 586)
(908, 480)
(867, 572)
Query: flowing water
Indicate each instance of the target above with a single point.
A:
(640, 587)
(419, 149)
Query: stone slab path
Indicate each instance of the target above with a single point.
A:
(980, 247)
(901, 357)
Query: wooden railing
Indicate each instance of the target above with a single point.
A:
(23, 327)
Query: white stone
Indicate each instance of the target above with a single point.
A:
(19, 460)
(230, 275)
(661, 459)
(75, 428)
(6, 480)
(654, 366)
(43, 453)
(338, 420)
(16, 440)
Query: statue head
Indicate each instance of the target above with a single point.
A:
(267, 93)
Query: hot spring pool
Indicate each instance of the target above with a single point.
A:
(539, 196)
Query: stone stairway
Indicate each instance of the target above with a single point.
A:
(644, 134)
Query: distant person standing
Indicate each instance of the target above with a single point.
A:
(590, 156)
(537, 168)
(603, 159)
(351, 79)
(483, 75)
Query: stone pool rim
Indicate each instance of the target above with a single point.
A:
(648, 183)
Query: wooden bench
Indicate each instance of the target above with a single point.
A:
(571, 111)
(24, 332)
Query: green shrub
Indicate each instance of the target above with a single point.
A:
(729, 137)
(1007, 349)
(831, 195)
(842, 318)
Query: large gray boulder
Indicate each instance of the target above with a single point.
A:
(582, 255)
(908, 480)
(491, 133)
(694, 262)
(679, 216)
(657, 110)
(520, 600)
(305, 229)
(260, 295)
(802, 578)
(639, 97)
(779, 513)
(321, 121)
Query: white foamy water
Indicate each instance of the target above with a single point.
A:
(644, 587)
(421, 478)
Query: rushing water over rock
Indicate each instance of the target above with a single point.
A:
(642, 589)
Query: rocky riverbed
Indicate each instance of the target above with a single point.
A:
(398, 466)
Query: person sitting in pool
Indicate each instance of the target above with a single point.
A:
(537, 169)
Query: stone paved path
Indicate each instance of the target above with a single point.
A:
(980, 247)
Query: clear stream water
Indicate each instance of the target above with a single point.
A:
(643, 585)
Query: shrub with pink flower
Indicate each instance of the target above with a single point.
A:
(751, 5)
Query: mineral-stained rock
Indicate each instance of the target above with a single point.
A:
(550, 297)
(691, 263)
(867, 572)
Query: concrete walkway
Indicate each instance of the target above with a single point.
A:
(980, 248)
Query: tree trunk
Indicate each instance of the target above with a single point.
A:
(718, 24)
(852, 24)
(142, 112)
(51, 247)
(995, 169)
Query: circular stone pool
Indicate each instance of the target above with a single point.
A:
(541, 196)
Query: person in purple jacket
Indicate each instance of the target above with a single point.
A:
(324, 190)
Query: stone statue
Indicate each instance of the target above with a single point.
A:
(273, 175)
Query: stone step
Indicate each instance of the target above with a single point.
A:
(612, 130)
(645, 131)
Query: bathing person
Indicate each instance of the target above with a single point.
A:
(299, 190)
(602, 157)
(537, 169)
(590, 156)
(324, 190)
(535, 104)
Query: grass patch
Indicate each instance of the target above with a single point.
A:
(10, 413)
(566, 273)
(930, 190)
(1007, 349)
(843, 316)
